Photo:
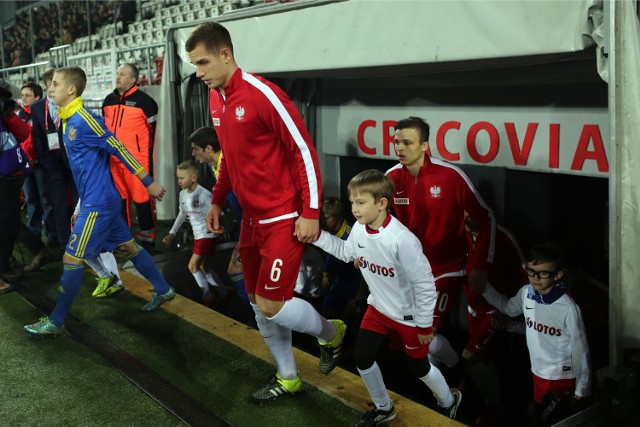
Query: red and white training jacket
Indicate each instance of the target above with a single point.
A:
(432, 206)
(269, 160)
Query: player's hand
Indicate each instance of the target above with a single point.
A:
(74, 218)
(499, 321)
(156, 191)
(213, 219)
(307, 230)
(478, 280)
(425, 339)
(169, 238)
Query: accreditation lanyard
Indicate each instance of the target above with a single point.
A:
(53, 139)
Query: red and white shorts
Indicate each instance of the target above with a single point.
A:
(399, 333)
(562, 389)
(271, 257)
(205, 247)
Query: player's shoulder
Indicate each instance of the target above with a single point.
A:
(394, 170)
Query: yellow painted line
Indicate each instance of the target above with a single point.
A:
(340, 383)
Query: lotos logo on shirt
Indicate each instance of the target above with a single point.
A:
(375, 268)
(545, 329)
(239, 113)
(435, 191)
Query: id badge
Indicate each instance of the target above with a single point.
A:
(53, 140)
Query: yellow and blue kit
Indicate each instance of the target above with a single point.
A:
(100, 226)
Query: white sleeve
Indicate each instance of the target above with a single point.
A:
(579, 351)
(420, 277)
(510, 306)
(179, 219)
(76, 210)
(343, 250)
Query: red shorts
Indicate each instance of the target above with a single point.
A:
(398, 332)
(482, 338)
(205, 247)
(562, 389)
(271, 257)
(448, 289)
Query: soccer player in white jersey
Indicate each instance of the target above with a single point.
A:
(194, 202)
(555, 333)
(403, 294)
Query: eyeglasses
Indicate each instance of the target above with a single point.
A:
(540, 274)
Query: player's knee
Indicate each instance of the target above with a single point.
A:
(363, 357)
(419, 367)
(128, 249)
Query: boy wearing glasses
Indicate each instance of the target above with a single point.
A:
(555, 334)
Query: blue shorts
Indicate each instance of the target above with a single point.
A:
(97, 231)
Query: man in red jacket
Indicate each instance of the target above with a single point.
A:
(271, 165)
(431, 197)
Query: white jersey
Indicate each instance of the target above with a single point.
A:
(555, 334)
(194, 207)
(392, 263)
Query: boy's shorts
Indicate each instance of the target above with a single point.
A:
(205, 246)
(448, 287)
(398, 332)
(561, 389)
(271, 257)
(97, 231)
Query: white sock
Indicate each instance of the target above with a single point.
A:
(97, 266)
(372, 378)
(441, 349)
(438, 386)
(202, 282)
(485, 377)
(109, 261)
(278, 340)
(300, 316)
(213, 281)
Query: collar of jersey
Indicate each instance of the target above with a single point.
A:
(558, 290)
(70, 109)
(382, 227)
(233, 82)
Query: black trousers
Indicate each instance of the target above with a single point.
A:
(9, 217)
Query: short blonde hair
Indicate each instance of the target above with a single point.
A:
(188, 165)
(373, 182)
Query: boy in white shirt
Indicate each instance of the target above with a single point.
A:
(555, 333)
(194, 201)
(403, 294)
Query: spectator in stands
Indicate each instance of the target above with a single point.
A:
(35, 189)
(12, 131)
(433, 189)
(131, 115)
(125, 12)
(270, 163)
(52, 158)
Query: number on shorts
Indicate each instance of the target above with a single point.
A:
(74, 237)
(275, 271)
(443, 300)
